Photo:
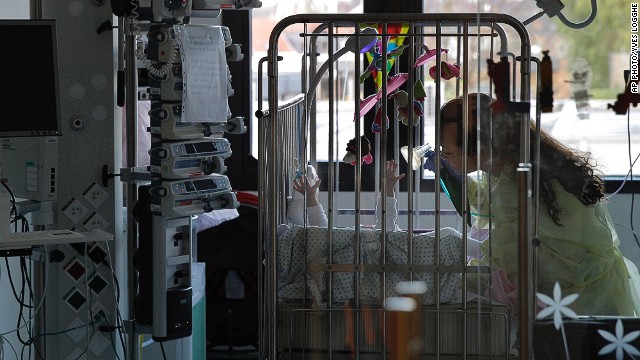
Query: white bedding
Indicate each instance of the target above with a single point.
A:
(291, 264)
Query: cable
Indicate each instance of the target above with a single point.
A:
(25, 280)
(116, 292)
(54, 333)
(554, 7)
(27, 322)
(15, 294)
(589, 20)
(629, 173)
(25, 272)
(46, 286)
(113, 345)
(164, 356)
(626, 227)
(134, 12)
(161, 71)
(533, 18)
(4, 340)
(633, 195)
(14, 211)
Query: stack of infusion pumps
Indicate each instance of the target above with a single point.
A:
(187, 167)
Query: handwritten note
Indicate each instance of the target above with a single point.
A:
(204, 66)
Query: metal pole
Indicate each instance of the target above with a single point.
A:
(525, 251)
(131, 96)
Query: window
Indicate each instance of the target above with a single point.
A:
(291, 49)
(588, 66)
(586, 79)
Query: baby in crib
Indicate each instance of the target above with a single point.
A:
(307, 242)
(317, 217)
(310, 183)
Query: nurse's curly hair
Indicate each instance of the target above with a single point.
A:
(573, 170)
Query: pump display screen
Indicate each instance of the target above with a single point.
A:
(200, 185)
(188, 164)
(200, 147)
(204, 185)
(29, 95)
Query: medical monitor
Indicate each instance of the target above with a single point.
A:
(29, 93)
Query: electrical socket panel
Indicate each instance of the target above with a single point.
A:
(95, 195)
(75, 210)
(98, 312)
(95, 221)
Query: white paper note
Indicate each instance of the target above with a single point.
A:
(204, 67)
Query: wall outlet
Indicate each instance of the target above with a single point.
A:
(75, 210)
(95, 195)
(99, 312)
(95, 221)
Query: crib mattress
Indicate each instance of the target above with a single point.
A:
(302, 249)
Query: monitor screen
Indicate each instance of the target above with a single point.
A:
(29, 96)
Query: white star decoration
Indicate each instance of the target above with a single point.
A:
(619, 342)
(557, 306)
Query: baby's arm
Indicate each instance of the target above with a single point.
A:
(315, 212)
(391, 203)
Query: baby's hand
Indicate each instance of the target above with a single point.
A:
(391, 177)
(302, 185)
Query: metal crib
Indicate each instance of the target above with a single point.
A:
(290, 132)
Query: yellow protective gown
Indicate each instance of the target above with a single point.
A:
(582, 255)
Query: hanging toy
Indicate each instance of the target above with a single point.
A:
(395, 38)
(352, 151)
(376, 127)
(401, 98)
(418, 91)
(393, 83)
(428, 54)
(376, 62)
(447, 71)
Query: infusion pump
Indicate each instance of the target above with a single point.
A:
(166, 122)
(225, 4)
(157, 10)
(186, 159)
(175, 198)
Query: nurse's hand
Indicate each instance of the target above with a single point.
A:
(430, 161)
(430, 164)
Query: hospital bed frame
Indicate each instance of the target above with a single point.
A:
(300, 329)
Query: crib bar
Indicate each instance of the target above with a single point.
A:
(437, 323)
(324, 288)
(317, 267)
